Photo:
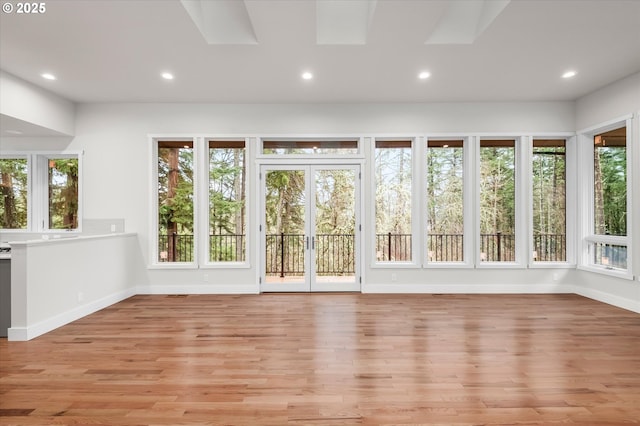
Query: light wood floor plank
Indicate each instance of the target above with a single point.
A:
(331, 359)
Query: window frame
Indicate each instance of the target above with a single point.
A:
(29, 158)
(520, 210)
(203, 214)
(38, 190)
(154, 226)
(570, 200)
(358, 139)
(468, 168)
(588, 238)
(416, 223)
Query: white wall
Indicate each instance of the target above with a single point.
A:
(117, 164)
(55, 282)
(29, 103)
(609, 103)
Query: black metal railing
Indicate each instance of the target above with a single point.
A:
(284, 254)
(226, 248)
(334, 254)
(550, 247)
(175, 248)
(180, 247)
(393, 247)
(497, 247)
(445, 247)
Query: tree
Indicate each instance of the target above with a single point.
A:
(13, 193)
(175, 198)
(227, 182)
(63, 193)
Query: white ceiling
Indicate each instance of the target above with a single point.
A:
(114, 51)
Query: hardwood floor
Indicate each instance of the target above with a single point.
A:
(331, 359)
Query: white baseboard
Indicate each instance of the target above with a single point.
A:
(610, 299)
(199, 289)
(468, 288)
(45, 326)
(33, 331)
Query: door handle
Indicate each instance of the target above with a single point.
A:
(313, 243)
(307, 243)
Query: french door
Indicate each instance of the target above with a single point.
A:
(310, 228)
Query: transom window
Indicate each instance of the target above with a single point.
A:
(309, 146)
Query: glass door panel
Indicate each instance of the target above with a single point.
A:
(309, 240)
(285, 230)
(334, 239)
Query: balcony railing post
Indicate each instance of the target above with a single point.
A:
(499, 245)
(173, 247)
(282, 255)
(389, 247)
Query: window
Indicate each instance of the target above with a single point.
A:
(63, 193)
(175, 201)
(310, 147)
(227, 201)
(40, 192)
(610, 182)
(610, 198)
(497, 201)
(549, 167)
(445, 201)
(14, 193)
(393, 180)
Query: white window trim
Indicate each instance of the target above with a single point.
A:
(359, 154)
(37, 190)
(468, 238)
(570, 201)
(30, 198)
(153, 204)
(585, 171)
(520, 208)
(416, 224)
(203, 194)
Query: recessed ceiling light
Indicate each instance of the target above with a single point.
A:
(167, 76)
(48, 76)
(424, 75)
(307, 75)
(569, 74)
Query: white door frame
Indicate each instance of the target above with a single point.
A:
(309, 283)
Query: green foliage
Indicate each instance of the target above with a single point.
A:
(497, 190)
(393, 190)
(445, 190)
(613, 167)
(285, 201)
(549, 191)
(63, 193)
(175, 198)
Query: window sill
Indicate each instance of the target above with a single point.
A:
(394, 265)
(616, 273)
(173, 265)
